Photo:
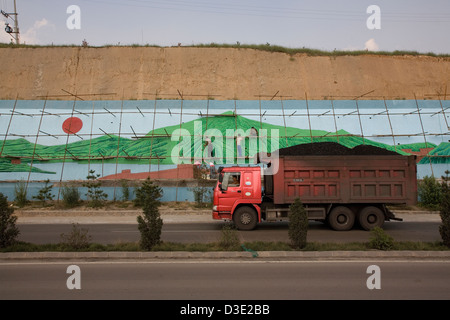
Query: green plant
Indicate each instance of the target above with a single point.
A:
(95, 194)
(45, 193)
(298, 224)
(149, 223)
(8, 229)
(229, 238)
(125, 190)
(202, 192)
(202, 196)
(430, 192)
(380, 240)
(77, 239)
(444, 228)
(70, 196)
(20, 192)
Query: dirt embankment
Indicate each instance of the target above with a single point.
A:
(117, 73)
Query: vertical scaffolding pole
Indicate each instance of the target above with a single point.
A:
(260, 114)
(9, 125)
(443, 112)
(360, 123)
(335, 123)
(235, 115)
(118, 147)
(153, 135)
(35, 143)
(181, 123)
(424, 136)
(284, 121)
(90, 137)
(309, 119)
(390, 124)
(65, 149)
(207, 114)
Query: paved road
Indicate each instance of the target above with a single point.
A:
(226, 279)
(202, 232)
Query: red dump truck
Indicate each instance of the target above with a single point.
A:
(340, 186)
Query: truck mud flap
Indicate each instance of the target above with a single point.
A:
(390, 215)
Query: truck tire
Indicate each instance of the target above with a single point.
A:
(371, 217)
(245, 218)
(341, 218)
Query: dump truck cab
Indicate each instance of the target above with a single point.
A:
(237, 196)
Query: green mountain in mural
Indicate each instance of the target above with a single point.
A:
(438, 155)
(98, 148)
(7, 166)
(157, 145)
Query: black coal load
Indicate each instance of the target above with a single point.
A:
(331, 149)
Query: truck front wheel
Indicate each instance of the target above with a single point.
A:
(341, 218)
(371, 217)
(245, 218)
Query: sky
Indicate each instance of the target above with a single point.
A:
(409, 25)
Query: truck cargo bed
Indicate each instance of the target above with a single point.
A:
(344, 179)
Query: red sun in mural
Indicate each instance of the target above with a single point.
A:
(72, 125)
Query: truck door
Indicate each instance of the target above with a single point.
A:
(231, 190)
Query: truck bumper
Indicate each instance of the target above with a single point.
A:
(220, 215)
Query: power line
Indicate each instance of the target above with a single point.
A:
(275, 12)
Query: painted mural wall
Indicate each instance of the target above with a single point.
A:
(64, 140)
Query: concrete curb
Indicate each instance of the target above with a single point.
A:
(230, 255)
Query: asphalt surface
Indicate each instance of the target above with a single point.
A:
(201, 217)
(220, 281)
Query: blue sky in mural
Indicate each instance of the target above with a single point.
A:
(327, 25)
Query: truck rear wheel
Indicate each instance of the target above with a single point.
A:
(341, 218)
(245, 218)
(371, 217)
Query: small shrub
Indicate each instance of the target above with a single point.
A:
(430, 192)
(70, 196)
(20, 192)
(444, 228)
(149, 223)
(77, 239)
(298, 224)
(229, 239)
(125, 190)
(8, 229)
(380, 240)
(45, 193)
(144, 191)
(202, 196)
(95, 194)
(203, 193)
